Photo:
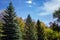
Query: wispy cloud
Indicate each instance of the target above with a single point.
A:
(44, 14)
(30, 3)
(49, 7)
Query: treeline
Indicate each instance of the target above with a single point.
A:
(15, 28)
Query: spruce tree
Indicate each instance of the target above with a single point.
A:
(40, 31)
(29, 35)
(10, 25)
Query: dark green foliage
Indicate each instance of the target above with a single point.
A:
(10, 25)
(56, 14)
(55, 27)
(29, 35)
(40, 32)
(1, 29)
(27, 30)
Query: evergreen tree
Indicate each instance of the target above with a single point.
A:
(56, 14)
(40, 31)
(1, 29)
(10, 25)
(22, 25)
(29, 35)
(54, 27)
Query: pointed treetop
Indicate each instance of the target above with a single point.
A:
(10, 7)
(28, 20)
(38, 21)
(10, 2)
(29, 17)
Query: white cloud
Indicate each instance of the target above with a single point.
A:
(49, 7)
(29, 2)
(44, 14)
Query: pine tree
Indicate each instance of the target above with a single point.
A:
(40, 31)
(10, 25)
(29, 35)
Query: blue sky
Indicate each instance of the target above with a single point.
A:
(38, 9)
